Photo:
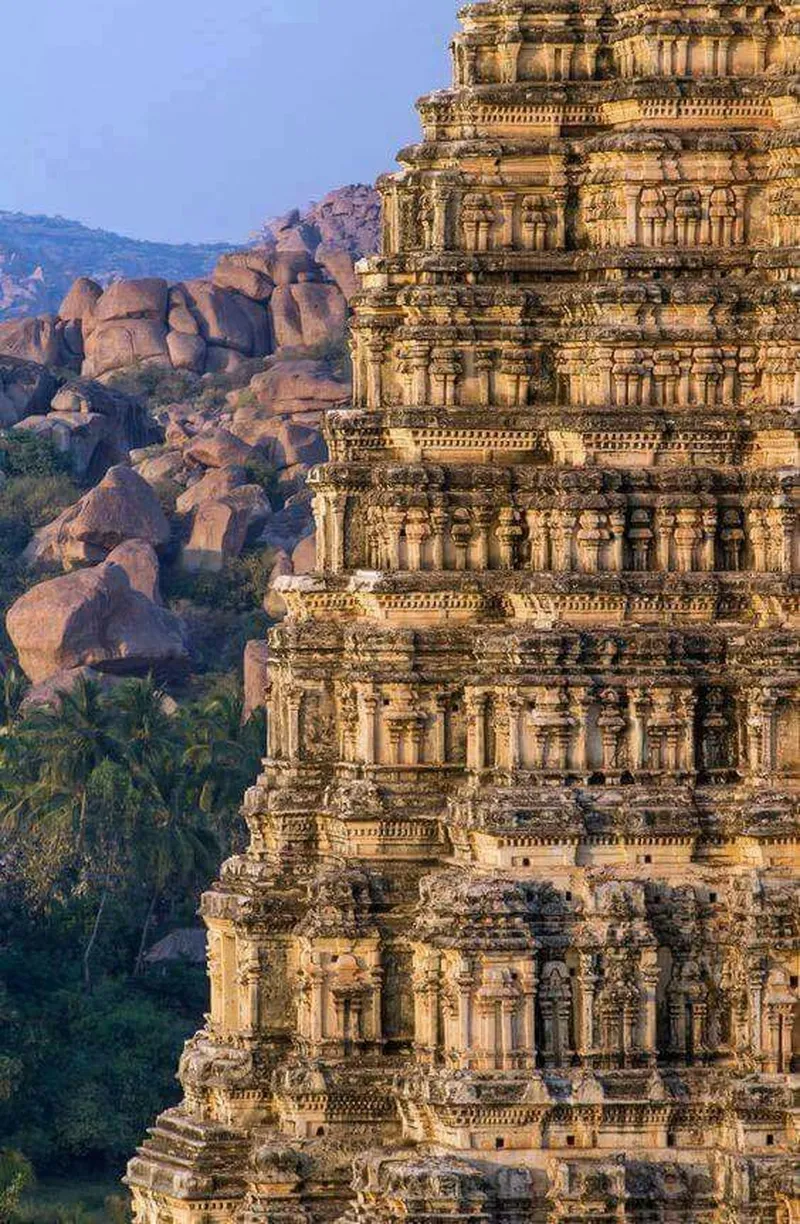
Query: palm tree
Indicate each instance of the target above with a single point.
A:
(62, 791)
(177, 847)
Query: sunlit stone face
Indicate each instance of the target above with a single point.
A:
(517, 937)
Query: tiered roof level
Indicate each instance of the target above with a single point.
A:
(517, 936)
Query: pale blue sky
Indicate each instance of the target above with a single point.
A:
(186, 120)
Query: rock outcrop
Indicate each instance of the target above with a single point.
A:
(26, 388)
(255, 301)
(98, 618)
(39, 255)
(348, 218)
(121, 507)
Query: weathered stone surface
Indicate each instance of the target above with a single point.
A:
(26, 389)
(180, 317)
(38, 340)
(139, 560)
(307, 314)
(129, 420)
(121, 507)
(158, 468)
(256, 658)
(86, 440)
(118, 343)
(289, 387)
(187, 352)
(287, 444)
(133, 299)
(219, 531)
(304, 557)
(287, 527)
(518, 932)
(247, 273)
(218, 449)
(216, 483)
(81, 300)
(287, 267)
(93, 617)
(228, 319)
(338, 263)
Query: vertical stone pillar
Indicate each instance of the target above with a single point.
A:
(294, 704)
(368, 726)
(475, 701)
(337, 513)
(375, 352)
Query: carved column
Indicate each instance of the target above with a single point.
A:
(476, 729)
(438, 525)
(417, 532)
(588, 988)
(440, 730)
(508, 532)
(375, 351)
(708, 527)
(337, 514)
(369, 704)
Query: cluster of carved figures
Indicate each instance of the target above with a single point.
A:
(663, 539)
(516, 939)
(591, 731)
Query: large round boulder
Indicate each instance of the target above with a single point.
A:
(118, 343)
(93, 617)
(121, 507)
(81, 300)
(133, 299)
(38, 339)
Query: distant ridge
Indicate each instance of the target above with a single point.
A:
(41, 256)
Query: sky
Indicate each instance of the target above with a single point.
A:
(194, 120)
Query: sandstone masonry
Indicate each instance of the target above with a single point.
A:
(517, 937)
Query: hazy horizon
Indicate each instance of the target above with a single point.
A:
(180, 122)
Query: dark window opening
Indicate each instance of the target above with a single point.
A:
(570, 1140)
(499, 1143)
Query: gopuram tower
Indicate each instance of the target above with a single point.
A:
(517, 937)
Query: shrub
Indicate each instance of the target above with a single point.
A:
(158, 385)
(23, 453)
(36, 500)
(16, 1174)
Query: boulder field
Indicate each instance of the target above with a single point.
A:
(190, 483)
(255, 302)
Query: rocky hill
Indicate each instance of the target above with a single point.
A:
(40, 257)
(186, 415)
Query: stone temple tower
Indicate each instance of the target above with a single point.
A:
(517, 937)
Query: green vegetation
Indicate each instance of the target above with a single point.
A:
(205, 392)
(115, 811)
(63, 1201)
(34, 489)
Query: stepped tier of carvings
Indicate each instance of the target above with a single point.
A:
(579, 437)
(516, 938)
(523, 42)
(644, 712)
(539, 519)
